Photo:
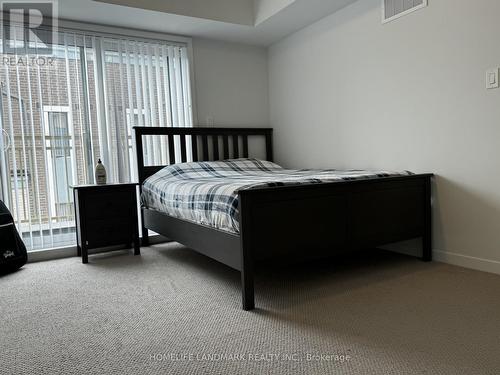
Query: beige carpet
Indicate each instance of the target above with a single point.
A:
(172, 311)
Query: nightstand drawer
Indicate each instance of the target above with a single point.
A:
(107, 205)
(105, 232)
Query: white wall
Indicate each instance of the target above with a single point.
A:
(349, 92)
(231, 83)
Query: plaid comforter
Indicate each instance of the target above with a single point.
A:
(207, 192)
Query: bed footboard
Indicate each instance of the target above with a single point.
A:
(321, 220)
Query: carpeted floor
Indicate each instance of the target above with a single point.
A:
(172, 311)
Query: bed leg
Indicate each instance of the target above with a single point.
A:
(247, 271)
(145, 232)
(246, 251)
(427, 236)
(145, 237)
(247, 289)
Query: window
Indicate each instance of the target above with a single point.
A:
(60, 113)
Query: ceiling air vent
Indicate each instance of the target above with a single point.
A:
(392, 9)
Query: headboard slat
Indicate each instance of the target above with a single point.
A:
(245, 146)
(171, 149)
(215, 145)
(225, 141)
(194, 147)
(204, 139)
(183, 148)
(236, 147)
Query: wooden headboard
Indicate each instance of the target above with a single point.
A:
(202, 143)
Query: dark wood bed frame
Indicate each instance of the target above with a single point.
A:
(289, 222)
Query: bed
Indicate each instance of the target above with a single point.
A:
(224, 203)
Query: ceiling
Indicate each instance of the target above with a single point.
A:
(258, 22)
(240, 12)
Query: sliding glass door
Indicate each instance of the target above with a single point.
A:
(62, 112)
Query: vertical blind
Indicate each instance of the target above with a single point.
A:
(60, 113)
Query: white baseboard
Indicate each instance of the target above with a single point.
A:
(466, 261)
(43, 255)
(414, 248)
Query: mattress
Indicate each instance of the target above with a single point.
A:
(207, 192)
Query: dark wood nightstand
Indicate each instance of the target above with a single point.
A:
(106, 215)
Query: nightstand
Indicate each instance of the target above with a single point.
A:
(106, 215)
